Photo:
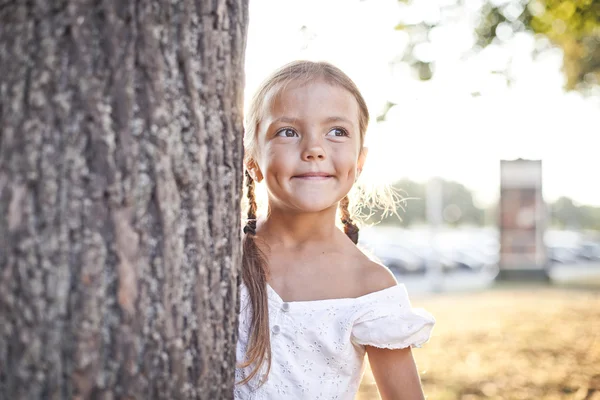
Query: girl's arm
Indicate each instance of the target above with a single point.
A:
(395, 373)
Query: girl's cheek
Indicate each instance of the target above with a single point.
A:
(348, 156)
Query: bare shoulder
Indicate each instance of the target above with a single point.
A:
(363, 274)
(376, 277)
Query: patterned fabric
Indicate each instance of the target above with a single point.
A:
(318, 347)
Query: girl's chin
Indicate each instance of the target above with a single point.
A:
(305, 201)
(314, 205)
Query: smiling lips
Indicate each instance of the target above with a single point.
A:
(314, 176)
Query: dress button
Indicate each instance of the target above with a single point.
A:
(285, 307)
(275, 329)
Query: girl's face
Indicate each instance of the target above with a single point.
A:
(309, 147)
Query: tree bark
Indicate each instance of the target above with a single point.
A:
(120, 184)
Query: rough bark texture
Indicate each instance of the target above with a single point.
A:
(120, 181)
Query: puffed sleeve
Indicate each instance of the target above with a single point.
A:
(386, 319)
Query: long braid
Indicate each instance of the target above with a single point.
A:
(254, 275)
(350, 227)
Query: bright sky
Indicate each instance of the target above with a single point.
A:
(438, 128)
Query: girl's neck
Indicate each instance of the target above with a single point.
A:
(293, 230)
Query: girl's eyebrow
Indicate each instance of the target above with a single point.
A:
(338, 119)
(287, 120)
(290, 120)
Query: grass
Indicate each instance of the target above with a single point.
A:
(527, 342)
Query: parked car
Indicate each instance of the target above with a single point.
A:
(589, 251)
(429, 256)
(400, 259)
(561, 254)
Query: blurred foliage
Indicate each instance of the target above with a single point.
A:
(529, 343)
(566, 214)
(460, 208)
(573, 26)
(457, 203)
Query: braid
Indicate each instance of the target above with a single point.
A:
(350, 227)
(254, 275)
(251, 222)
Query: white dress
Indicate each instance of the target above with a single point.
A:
(318, 347)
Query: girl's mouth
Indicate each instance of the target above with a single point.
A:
(314, 176)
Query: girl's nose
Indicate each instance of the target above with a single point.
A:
(313, 151)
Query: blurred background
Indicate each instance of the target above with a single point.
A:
(486, 118)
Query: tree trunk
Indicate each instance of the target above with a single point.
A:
(120, 184)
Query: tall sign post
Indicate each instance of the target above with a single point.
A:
(522, 221)
(434, 197)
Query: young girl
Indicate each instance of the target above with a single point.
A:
(311, 303)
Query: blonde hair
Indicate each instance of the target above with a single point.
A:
(254, 266)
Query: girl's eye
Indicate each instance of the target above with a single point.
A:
(338, 132)
(287, 132)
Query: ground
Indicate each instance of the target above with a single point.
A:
(511, 342)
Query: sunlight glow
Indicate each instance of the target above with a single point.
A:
(459, 124)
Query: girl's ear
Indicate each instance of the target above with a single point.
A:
(253, 170)
(362, 157)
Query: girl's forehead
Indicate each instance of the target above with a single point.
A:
(311, 97)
